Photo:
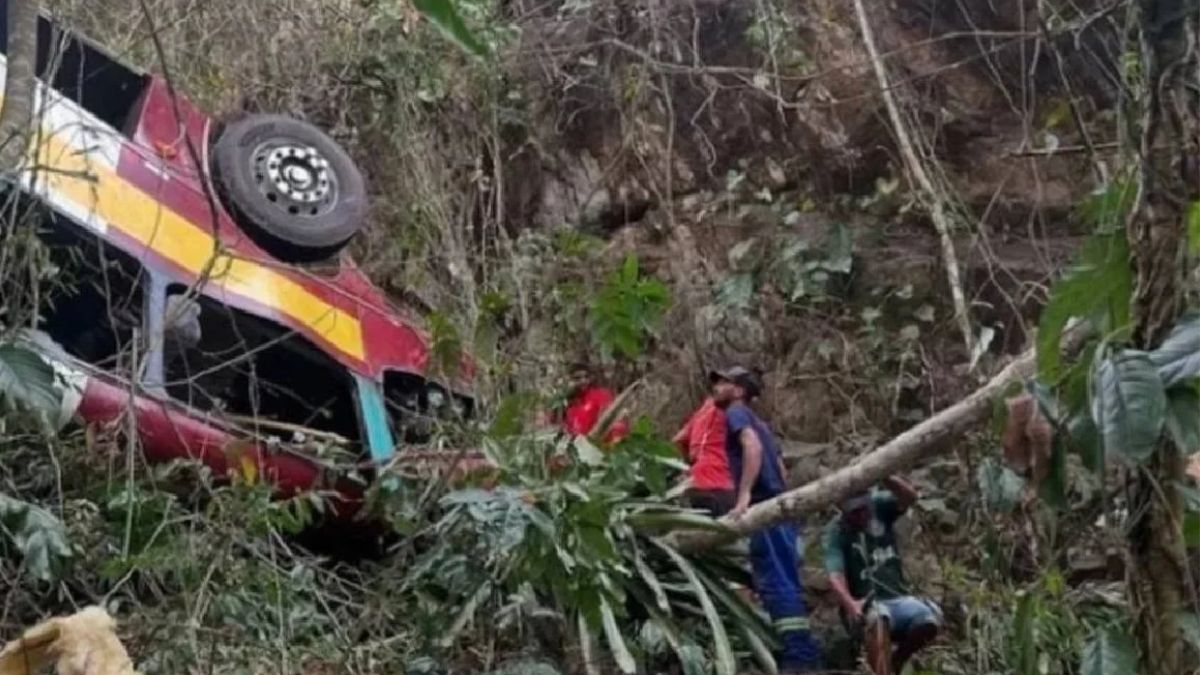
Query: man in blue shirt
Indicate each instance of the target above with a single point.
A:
(757, 468)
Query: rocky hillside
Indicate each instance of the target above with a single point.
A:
(743, 153)
(741, 150)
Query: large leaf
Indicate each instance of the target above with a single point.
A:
(754, 627)
(1190, 496)
(37, 535)
(444, 15)
(736, 291)
(28, 380)
(744, 614)
(1191, 529)
(616, 641)
(1001, 487)
(1183, 418)
(587, 646)
(725, 663)
(692, 660)
(666, 521)
(650, 579)
(1024, 643)
(1085, 438)
(1098, 287)
(762, 653)
(1109, 652)
(1129, 404)
(1053, 489)
(1189, 625)
(1178, 357)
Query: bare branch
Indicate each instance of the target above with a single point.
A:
(933, 197)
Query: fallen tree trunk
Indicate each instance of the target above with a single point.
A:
(903, 452)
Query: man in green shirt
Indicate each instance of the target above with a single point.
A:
(865, 572)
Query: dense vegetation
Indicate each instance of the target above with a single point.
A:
(665, 188)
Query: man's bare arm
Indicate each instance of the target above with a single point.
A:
(906, 493)
(751, 464)
(681, 439)
(837, 581)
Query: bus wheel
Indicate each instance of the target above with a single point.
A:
(291, 187)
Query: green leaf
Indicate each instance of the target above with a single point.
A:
(1183, 418)
(510, 415)
(1191, 529)
(1053, 490)
(692, 660)
(745, 614)
(1129, 404)
(1193, 227)
(739, 254)
(1178, 357)
(1109, 652)
(586, 645)
(736, 290)
(616, 641)
(839, 251)
(37, 535)
(1000, 485)
(660, 521)
(27, 380)
(653, 639)
(1106, 208)
(444, 15)
(725, 663)
(1189, 625)
(1085, 438)
(1024, 646)
(1098, 287)
(1190, 495)
(762, 653)
(446, 348)
(650, 579)
(588, 453)
(465, 614)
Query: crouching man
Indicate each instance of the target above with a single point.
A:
(865, 573)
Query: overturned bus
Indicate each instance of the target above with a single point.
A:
(201, 282)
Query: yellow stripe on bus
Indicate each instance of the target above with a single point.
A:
(96, 188)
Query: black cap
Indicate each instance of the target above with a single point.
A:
(746, 379)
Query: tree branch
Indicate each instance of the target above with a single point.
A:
(916, 171)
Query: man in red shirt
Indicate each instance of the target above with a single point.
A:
(587, 402)
(702, 441)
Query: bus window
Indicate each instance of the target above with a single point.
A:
(259, 374)
(83, 73)
(418, 408)
(93, 304)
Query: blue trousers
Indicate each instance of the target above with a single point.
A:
(775, 565)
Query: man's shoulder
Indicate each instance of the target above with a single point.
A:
(738, 416)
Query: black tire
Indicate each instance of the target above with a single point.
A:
(291, 187)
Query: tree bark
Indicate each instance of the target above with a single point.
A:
(16, 115)
(921, 442)
(1156, 232)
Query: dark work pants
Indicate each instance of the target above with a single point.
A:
(775, 565)
(716, 502)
